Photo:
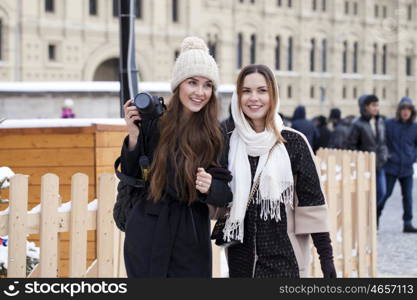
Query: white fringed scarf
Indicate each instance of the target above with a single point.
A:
(276, 184)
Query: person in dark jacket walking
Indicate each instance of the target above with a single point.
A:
(401, 134)
(300, 123)
(277, 199)
(168, 232)
(323, 132)
(340, 131)
(368, 134)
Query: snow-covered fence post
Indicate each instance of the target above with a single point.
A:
(78, 225)
(105, 225)
(17, 226)
(49, 225)
(331, 194)
(346, 215)
(372, 214)
(361, 208)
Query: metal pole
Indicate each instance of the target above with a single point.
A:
(127, 63)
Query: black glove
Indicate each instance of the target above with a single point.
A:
(323, 245)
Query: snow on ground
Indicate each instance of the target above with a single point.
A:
(5, 175)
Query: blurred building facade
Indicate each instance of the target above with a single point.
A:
(325, 53)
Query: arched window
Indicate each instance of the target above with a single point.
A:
(92, 8)
(289, 92)
(289, 61)
(175, 11)
(410, 12)
(239, 50)
(324, 55)
(312, 54)
(252, 58)
(355, 57)
(384, 59)
(115, 8)
(375, 59)
(49, 5)
(344, 59)
(355, 93)
(312, 92)
(408, 65)
(278, 53)
(1, 39)
(344, 93)
(138, 9)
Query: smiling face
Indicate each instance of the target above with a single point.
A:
(255, 100)
(195, 92)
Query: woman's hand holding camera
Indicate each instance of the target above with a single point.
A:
(203, 181)
(132, 115)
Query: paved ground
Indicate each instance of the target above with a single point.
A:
(397, 251)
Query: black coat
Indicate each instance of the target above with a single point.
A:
(338, 137)
(306, 127)
(361, 136)
(170, 238)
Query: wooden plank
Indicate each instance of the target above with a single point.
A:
(107, 156)
(17, 226)
(121, 265)
(36, 141)
(372, 217)
(65, 193)
(64, 173)
(49, 226)
(78, 226)
(361, 216)
(65, 250)
(105, 224)
(332, 195)
(346, 217)
(110, 139)
(35, 272)
(92, 271)
(48, 157)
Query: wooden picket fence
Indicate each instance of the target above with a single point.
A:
(51, 218)
(348, 181)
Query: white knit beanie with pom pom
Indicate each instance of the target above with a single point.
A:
(194, 60)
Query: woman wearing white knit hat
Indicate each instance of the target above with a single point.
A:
(168, 230)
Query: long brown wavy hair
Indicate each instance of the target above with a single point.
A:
(186, 143)
(272, 91)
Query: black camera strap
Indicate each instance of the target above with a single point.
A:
(132, 181)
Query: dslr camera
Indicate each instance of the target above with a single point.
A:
(150, 107)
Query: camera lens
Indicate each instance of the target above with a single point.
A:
(143, 101)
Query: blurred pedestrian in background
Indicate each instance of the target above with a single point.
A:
(401, 134)
(339, 130)
(300, 123)
(323, 132)
(368, 134)
(67, 112)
